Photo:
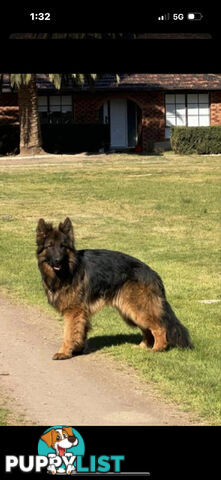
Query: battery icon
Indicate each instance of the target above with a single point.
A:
(194, 16)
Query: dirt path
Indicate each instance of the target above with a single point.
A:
(85, 390)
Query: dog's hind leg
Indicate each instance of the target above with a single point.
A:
(148, 339)
(154, 339)
(143, 305)
(76, 326)
(160, 338)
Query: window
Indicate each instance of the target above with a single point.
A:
(198, 110)
(55, 108)
(190, 110)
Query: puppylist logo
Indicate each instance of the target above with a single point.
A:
(60, 451)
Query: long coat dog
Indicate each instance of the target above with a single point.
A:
(79, 282)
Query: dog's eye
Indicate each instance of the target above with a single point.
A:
(58, 437)
(65, 436)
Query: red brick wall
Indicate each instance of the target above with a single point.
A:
(9, 109)
(153, 111)
(153, 118)
(86, 108)
(215, 108)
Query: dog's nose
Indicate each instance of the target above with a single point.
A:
(72, 438)
(57, 260)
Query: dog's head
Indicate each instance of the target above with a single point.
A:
(55, 246)
(60, 439)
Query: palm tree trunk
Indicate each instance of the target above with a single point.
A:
(30, 129)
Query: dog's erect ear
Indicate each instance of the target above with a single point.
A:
(43, 228)
(42, 231)
(48, 437)
(67, 229)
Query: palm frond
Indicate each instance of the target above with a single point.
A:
(17, 79)
(55, 78)
(78, 78)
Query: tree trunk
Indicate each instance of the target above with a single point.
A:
(30, 129)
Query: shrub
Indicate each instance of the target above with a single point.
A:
(201, 140)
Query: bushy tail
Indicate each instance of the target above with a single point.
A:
(177, 334)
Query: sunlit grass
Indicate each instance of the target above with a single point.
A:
(164, 210)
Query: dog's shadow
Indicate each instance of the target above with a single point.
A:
(98, 343)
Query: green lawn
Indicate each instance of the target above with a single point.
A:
(161, 209)
(3, 416)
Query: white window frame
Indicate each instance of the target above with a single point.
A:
(198, 102)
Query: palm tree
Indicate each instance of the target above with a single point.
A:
(30, 128)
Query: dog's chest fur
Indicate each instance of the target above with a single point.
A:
(52, 296)
(63, 298)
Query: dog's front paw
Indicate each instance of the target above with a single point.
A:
(61, 356)
(142, 345)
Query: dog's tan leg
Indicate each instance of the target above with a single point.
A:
(148, 339)
(160, 339)
(76, 326)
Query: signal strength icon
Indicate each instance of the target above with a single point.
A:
(164, 17)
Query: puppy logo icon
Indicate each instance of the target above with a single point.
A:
(61, 444)
(61, 451)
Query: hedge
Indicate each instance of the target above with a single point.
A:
(201, 140)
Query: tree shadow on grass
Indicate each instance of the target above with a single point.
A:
(98, 343)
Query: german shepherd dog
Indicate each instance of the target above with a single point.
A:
(79, 282)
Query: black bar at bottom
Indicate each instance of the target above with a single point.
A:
(116, 474)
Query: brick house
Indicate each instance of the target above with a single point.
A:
(139, 109)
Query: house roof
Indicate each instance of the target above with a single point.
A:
(133, 81)
(156, 81)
